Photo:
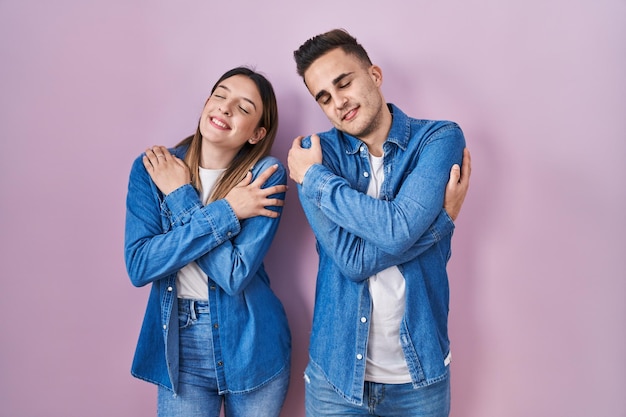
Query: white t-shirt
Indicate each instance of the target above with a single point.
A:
(191, 281)
(385, 359)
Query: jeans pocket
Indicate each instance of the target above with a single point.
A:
(184, 320)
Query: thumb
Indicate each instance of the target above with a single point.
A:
(179, 161)
(315, 141)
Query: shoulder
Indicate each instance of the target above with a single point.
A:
(423, 127)
(137, 168)
(280, 176)
(430, 130)
(179, 151)
(328, 137)
(268, 161)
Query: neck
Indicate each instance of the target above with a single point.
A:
(212, 158)
(376, 138)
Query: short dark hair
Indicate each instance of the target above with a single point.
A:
(319, 45)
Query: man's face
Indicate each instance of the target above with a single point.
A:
(347, 91)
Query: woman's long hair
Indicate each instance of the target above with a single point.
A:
(249, 154)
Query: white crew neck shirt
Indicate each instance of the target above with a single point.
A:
(385, 359)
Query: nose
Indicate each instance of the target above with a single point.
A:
(225, 109)
(340, 101)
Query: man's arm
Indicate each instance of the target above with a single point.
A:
(399, 222)
(356, 257)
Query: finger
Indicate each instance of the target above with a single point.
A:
(466, 170)
(158, 152)
(146, 163)
(275, 189)
(277, 202)
(265, 175)
(297, 142)
(245, 180)
(270, 213)
(166, 152)
(178, 161)
(455, 175)
(152, 157)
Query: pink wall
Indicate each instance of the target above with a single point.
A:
(537, 314)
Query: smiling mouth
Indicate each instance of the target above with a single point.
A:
(219, 123)
(350, 115)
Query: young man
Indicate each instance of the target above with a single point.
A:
(372, 189)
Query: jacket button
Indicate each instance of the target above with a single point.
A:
(220, 363)
(363, 319)
(169, 289)
(164, 326)
(216, 325)
(359, 356)
(366, 174)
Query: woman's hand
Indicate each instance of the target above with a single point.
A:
(167, 171)
(248, 199)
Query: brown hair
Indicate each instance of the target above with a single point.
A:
(249, 154)
(319, 45)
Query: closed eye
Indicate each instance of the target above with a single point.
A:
(324, 99)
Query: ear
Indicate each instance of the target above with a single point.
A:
(259, 135)
(377, 75)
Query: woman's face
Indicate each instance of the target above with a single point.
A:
(231, 115)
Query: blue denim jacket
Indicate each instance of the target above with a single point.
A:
(358, 236)
(251, 338)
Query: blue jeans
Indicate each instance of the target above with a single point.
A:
(384, 400)
(197, 390)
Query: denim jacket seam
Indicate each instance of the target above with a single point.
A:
(320, 191)
(440, 132)
(214, 226)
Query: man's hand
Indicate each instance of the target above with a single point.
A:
(456, 190)
(300, 159)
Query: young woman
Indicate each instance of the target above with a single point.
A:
(199, 221)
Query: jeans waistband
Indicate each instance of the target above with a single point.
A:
(193, 306)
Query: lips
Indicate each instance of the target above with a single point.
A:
(350, 114)
(219, 123)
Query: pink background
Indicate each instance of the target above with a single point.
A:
(537, 313)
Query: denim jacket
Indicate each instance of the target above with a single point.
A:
(358, 236)
(251, 338)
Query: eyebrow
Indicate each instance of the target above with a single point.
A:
(336, 81)
(244, 98)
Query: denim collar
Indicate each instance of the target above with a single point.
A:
(399, 133)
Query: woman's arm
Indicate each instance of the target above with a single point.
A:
(235, 262)
(165, 233)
